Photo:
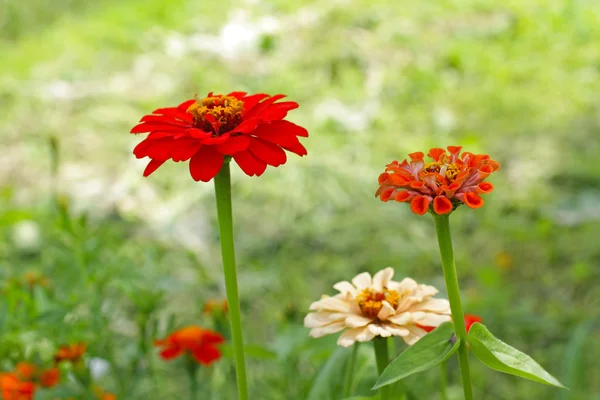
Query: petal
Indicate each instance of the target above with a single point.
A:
(356, 321)
(442, 205)
(331, 304)
(327, 330)
(260, 107)
(186, 104)
(247, 126)
(397, 330)
(435, 153)
(175, 112)
(170, 353)
(278, 111)
(440, 306)
(323, 318)
(381, 278)
(386, 311)
(234, 145)
(345, 288)
(416, 333)
(470, 319)
(205, 164)
(472, 200)
(404, 285)
(249, 164)
(430, 319)
(152, 166)
(419, 205)
(350, 336)
(268, 152)
(401, 319)
(206, 355)
(485, 187)
(378, 330)
(184, 149)
(362, 281)
(155, 126)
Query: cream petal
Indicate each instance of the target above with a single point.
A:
(362, 281)
(430, 319)
(416, 333)
(331, 304)
(386, 311)
(401, 319)
(406, 284)
(440, 306)
(327, 330)
(397, 330)
(317, 319)
(349, 336)
(424, 291)
(382, 278)
(345, 288)
(356, 321)
(378, 330)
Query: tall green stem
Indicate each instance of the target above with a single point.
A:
(443, 374)
(442, 225)
(350, 371)
(191, 368)
(223, 194)
(382, 358)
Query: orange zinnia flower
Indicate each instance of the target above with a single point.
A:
(12, 388)
(30, 372)
(50, 377)
(200, 343)
(72, 352)
(249, 128)
(102, 395)
(441, 185)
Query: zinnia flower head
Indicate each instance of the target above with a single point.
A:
(470, 319)
(249, 128)
(71, 352)
(215, 306)
(377, 306)
(103, 395)
(25, 371)
(449, 180)
(13, 388)
(200, 343)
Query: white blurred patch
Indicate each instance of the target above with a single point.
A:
(98, 367)
(59, 90)
(444, 118)
(26, 235)
(351, 118)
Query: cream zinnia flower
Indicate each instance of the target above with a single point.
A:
(377, 307)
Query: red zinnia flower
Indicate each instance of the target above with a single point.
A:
(72, 352)
(50, 377)
(450, 180)
(12, 388)
(251, 129)
(200, 343)
(31, 373)
(470, 319)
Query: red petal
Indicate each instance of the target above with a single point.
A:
(247, 126)
(260, 107)
(161, 149)
(470, 319)
(174, 112)
(234, 145)
(251, 101)
(186, 104)
(170, 353)
(282, 133)
(206, 355)
(419, 205)
(442, 205)
(185, 149)
(278, 111)
(150, 127)
(237, 95)
(472, 200)
(250, 164)
(435, 153)
(152, 166)
(211, 337)
(268, 152)
(205, 164)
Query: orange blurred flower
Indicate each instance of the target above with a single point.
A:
(441, 185)
(215, 306)
(102, 395)
(72, 352)
(25, 371)
(12, 388)
(470, 319)
(49, 378)
(207, 131)
(199, 343)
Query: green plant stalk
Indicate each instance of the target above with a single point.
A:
(382, 358)
(191, 368)
(223, 195)
(350, 371)
(442, 225)
(443, 373)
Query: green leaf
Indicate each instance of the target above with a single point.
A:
(328, 382)
(499, 356)
(429, 351)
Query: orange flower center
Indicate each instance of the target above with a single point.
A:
(218, 114)
(371, 301)
(448, 170)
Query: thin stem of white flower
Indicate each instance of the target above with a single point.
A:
(382, 358)
(350, 371)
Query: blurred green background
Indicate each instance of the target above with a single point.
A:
(127, 258)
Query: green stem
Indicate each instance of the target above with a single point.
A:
(192, 367)
(381, 357)
(350, 371)
(442, 225)
(223, 194)
(443, 373)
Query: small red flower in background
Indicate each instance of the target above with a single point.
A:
(13, 388)
(102, 395)
(450, 180)
(31, 373)
(50, 377)
(251, 129)
(200, 343)
(71, 352)
(470, 319)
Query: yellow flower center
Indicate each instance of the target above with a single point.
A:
(371, 301)
(226, 113)
(448, 170)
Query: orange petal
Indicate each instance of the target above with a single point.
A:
(418, 156)
(382, 178)
(442, 205)
(485, 187)
(454, 150)
(386, 194)
(402, 196)
(435, 153)
(473, 200)
(399, 179)
(419, 205)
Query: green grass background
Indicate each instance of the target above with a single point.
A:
(129, 257)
